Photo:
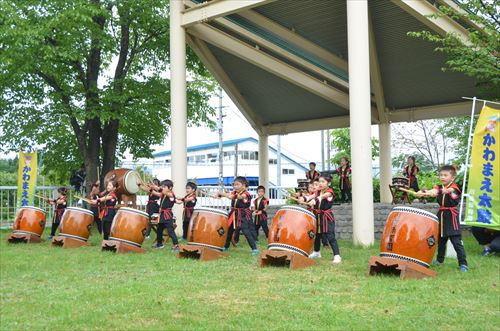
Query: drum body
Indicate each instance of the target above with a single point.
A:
(76, 223)
(400, 181)
(208, 227)
(293, 229)
(127, 180)
(410, 234)
(129, 226)
(30, 220)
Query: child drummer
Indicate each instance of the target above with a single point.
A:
(94, 208)
(325, 222)
(448, 197)
(60, 205)
(240, 215)
(167, 202)
(189, 202)
(108, 201)
(260, 205)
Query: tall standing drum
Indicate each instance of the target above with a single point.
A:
(75, 227)
(28, 225)
(410, 234)
(293, 229)
(129, 226)
(208, 227)
(127, 180)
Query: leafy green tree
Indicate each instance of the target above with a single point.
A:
(341, 144)
(479, 59)
(87, 79)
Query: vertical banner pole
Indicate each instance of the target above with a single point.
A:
(469, 143)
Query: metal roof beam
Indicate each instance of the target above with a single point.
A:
(264, 43)
(441, 24)
(210, 10)
(308, 125)
(295, 39)
(267, 62)
(375, 75)
(226, 83)
(430, 112)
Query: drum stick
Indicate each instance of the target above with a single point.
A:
(41, 197)
(407, 191)
(83, 199)
(98, 178)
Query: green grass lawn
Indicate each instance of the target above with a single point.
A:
(44, 287)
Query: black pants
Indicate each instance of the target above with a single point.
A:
(345, 195)
(330, 237)
(55, 225)
(263, 224)
(169, 225)
(456, 241)
(185, 226)
(106, 228)
(248, 231)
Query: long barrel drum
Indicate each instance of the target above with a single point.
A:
(74, 230)
(28, 225)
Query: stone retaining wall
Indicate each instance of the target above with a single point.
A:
(343, 217)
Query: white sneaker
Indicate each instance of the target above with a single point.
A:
(337, 259)
(315, 255)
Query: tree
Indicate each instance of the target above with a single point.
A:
(86, 80)
(426, 138)
(480, 58)
(341, 143)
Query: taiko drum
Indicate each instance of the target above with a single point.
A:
(410, 234)
(76, 223)
(293, 229)
(127, 180)
(30, 220)
(208, 227)
(129, 226)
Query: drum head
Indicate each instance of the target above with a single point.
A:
(132, 210)
(34, 208)
(415, 211)
(299, 209)
(222, 212)
(80, 210)
(130, 181)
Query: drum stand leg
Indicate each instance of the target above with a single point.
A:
(25, 238)
(199, 253)
(284, 259)
(67, 242)
(405, 269)
(119, 247)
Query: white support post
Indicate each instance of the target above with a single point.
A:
(264, 161)
(178, 102)
(359, 113)
(384, 133)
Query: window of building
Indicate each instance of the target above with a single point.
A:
(273, 161)
(288, 171)
(199, 158)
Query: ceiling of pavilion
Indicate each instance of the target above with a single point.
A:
(410, 68)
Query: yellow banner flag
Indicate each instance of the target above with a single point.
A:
(26, 178)
(483, 187)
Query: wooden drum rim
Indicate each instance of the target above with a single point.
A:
(82, 210)
(299, 209)
(72, 236)
(285, 247)
(128, 173)
(125, 241)
(221, 212)
(26, 232)
(405, 258)
(34, 208)
(415, 211)
(204, 245)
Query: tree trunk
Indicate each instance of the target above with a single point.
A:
(109, 143)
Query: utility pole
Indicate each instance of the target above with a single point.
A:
(322, 150)
(220, 129)
(236, 160)
(328, 149)
(278, 162)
